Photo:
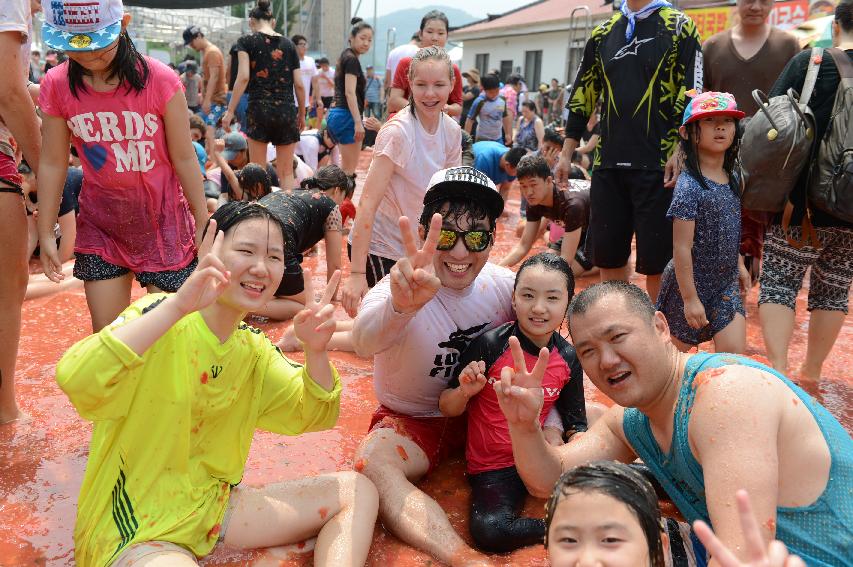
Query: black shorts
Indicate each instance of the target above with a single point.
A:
(622, 202)
(327, 101)
(91, 267)
(375, 268)
(291, 282)
(211, 189)
(272, 123)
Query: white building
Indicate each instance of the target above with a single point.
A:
(542, 40)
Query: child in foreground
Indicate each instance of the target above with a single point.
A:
(543, 288)
(699, 292)
(176, 387)
(607, 514)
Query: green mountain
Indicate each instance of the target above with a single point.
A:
(406, 23)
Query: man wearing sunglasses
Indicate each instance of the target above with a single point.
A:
(415, 323)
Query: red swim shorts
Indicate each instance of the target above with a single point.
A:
(438, 437)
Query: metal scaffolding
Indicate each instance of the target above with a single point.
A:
(166, 26)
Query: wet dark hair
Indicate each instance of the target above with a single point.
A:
(457, 208)
(637, 299)
(330, 177)
(514, 155)
(488, 82)
(533, 166)
(690, 147)
(261, 11)
(844, 15)
(551, 263)
(435, 15)
(357, 26)
(233, 213)
(251, 177)
(620, 482)
(128, 65)
(553, 136)
(297, 38)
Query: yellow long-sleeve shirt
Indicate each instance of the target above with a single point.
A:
(172, 428)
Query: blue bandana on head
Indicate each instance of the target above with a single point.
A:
(645, 10)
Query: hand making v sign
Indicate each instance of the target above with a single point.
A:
(520, 393)
(210, 277)
(413, 281)
(314, 325)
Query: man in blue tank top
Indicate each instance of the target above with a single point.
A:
(707, 425)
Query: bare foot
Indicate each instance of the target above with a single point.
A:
(288, 341)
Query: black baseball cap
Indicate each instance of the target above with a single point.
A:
(191, 33)
(466, 182)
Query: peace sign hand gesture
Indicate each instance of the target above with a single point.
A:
(413, 282)
(760, 554)
(520, 393)
(314, 325)
(210, 277)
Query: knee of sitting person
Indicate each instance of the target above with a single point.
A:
(374, 457)
(357, 487)
(490, 532)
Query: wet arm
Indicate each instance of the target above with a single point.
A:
(16, 106)
(52, 172)
(735, 420)
(453, 402)
(520, 250)
(211, 82)
(682, 256)
(350, 83)
(334, 245)
(241, 82)
(377, 327)
(375, 186)
(183, 157)
(224, 167)
(540, 465)
(584, 96)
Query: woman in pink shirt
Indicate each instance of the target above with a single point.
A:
(142, 196)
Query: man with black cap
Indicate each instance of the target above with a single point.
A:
(214, 94)
(415, 323)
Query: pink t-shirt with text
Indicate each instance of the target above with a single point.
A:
(132, 211)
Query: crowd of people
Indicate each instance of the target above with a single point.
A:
(208, 181)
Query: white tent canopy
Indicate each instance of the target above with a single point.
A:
(161, 25)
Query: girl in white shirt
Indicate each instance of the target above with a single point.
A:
(418, 141)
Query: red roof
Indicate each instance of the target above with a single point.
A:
(537, 12)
